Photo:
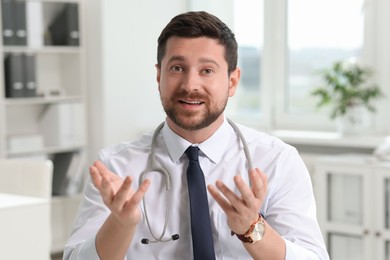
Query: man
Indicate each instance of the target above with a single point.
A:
(266, 214)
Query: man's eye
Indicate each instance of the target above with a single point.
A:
(207, 71)
(176, 68)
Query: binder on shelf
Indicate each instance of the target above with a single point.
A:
(64, 30)
(75, 175)
(13, 72)
(20, 75)
(61, 162)
(20, 23)
(30, 83)
(68, 172)
(8, 24)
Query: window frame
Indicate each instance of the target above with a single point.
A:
(274, 66)
(373, 55)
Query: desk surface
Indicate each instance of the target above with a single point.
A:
(8, 200)
(25, 231)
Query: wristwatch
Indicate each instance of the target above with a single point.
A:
(254, 233)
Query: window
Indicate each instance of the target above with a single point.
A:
(248, 28)
(282, 46)
(319, 33)
(316, 33)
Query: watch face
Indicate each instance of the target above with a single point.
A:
(258, 231)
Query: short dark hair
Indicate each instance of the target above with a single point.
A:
(199, 24)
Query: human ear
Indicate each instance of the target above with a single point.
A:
(158, 75)
(234, 78)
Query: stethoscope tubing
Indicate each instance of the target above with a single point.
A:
(153, 167)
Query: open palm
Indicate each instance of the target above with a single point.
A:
(117, 194)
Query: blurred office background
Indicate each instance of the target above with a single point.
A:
(283, 44)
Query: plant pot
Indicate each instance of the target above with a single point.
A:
(357, 120)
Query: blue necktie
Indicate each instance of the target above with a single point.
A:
(202, 239)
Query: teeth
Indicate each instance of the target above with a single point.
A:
(194, 102)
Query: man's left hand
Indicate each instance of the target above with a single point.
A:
(241, 210)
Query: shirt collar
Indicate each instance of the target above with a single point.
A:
(213, 147)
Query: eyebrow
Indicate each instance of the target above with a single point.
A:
(176, 58)
(182, 58)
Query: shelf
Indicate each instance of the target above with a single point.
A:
(55, 1)
(330, 139)
(47, 150)
(43, 49)
(61, 198)
(41, 100)
(358, 160)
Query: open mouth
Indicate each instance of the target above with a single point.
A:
(187, 102)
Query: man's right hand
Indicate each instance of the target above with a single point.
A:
(117, 194)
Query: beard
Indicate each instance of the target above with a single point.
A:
(192, 120)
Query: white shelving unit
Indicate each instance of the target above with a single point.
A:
(353, 201)
(61, 81)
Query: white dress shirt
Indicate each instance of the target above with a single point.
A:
(289, 206)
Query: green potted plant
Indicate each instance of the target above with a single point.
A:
(348, 91)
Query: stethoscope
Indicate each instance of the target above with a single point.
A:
(153, 167)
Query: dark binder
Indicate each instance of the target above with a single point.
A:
(64, 30)
(20, 23)
(74, 177)
(68, 172)
(30, 83)
(14, 79)
(8, 24)
(73, 25)
(61, 164)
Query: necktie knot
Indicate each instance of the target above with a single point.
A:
(192, 153)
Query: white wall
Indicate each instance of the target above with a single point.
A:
(122, 50)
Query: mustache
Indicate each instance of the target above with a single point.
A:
(184, 94)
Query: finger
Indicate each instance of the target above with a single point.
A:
(95, 177)
(137, 196)
(121, 196)
(101, 184)
(244, 189)
(103, 187)
(106, 191)
(264, 178)
(104, 171)
(232, 197)
(259, 183)
(220, 199)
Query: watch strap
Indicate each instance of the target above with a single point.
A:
(246, 238)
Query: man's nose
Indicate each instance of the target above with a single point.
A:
(191, 81)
